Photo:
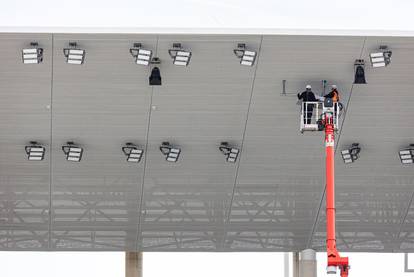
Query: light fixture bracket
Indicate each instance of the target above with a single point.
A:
(176, 47)
(239, 51)
(155, 60)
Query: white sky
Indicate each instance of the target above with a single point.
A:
(242, 16)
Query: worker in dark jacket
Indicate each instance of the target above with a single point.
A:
(307, 96)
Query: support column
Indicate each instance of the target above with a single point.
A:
(307, 263)
(295, 264)
(133, 264)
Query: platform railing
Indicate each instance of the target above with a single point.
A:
(311, 113)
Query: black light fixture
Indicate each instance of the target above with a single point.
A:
(35, 151)
(155, 77)
(72, 152)
(407, 155)
(230, 152)
(133, 153)
(170, 152)
(73, 54)
(351, 154)
(359, 67)
(33, 54)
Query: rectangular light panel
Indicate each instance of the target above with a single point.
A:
(135, 155)
(182, 58)
(143, 57)
(75, 56)
(248, 58)
(377, 59)
(74, 154)
(32, 55)
(36, 153)
(173, 155)
(406, 156)
(232, 155)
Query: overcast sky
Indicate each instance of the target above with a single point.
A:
(241, 14)
(225, 14)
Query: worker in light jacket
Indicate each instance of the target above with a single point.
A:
(308, 96)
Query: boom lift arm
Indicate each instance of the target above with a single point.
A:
(334, 258)
(327, 122)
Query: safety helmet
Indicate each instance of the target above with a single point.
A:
(334, 87)
(308, 87)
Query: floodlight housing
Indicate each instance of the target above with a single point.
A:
(35, 151)
(73, 54)
(359, 68)
(133, 152)
(155, 77)
(33, 54)
(72, 152)
(247, 57)
(407, 155)
(382, 58)
(231, 152)
(180, 56)
(170, 152)
(142, 56)
(351, 154)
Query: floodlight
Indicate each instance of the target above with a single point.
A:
(32, 55)
(351, 154)
(35, 151)
(73, 54)
(407, 155)
(133, 153)
(171, 153)
(72, 152)
(247, 57)
(230, 152)
(180, 56)
(359, 67)
(142, 56)
(381, 58)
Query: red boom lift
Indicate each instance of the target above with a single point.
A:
(328, 123)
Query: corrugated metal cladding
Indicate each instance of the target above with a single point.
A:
(271, 199)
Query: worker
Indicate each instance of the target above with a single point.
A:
(334, 95)
(307, 96)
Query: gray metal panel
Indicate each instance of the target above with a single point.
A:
(373, 194)
(101, 105)
(281, 178)
(196, 108)
(271, 201)
(24, 116)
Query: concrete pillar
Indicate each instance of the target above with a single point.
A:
(133, 264)
(307, 263)
(286, 265)
(295, 264)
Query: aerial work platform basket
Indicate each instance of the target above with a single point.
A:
(312, 112)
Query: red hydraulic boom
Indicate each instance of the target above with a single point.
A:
(334, 258)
